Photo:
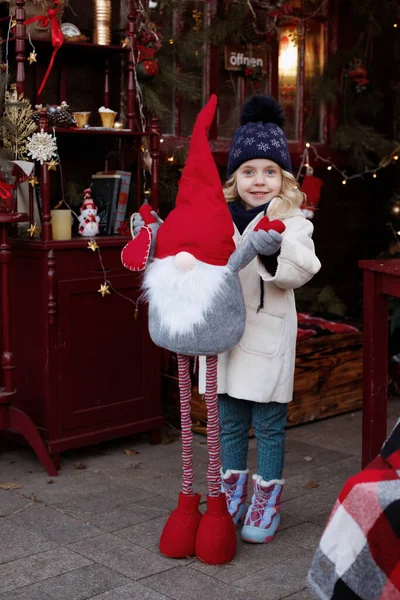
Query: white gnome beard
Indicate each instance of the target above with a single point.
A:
(182, 298)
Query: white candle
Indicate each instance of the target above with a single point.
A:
(61, 223)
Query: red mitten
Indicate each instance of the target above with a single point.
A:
(145, 213)
(136, 252)
(178, 537)
(266, 224)
(216, 536)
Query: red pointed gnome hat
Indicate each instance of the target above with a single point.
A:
(201, 222)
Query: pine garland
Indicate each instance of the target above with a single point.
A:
(355, 90)
(180, 63)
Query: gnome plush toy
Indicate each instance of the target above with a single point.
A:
(196, 308)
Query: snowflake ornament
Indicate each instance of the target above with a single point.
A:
(42, 146)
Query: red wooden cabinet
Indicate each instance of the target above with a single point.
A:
(86, 368)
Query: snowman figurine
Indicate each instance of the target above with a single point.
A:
(88, 219)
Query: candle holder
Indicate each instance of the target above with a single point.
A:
(107, 117)
(82, 118)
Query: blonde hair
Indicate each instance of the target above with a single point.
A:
(290, 197)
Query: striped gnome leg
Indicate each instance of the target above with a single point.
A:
(178, 537)
(216, 536)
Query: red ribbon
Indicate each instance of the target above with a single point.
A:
(57, 37)
(144, 53)
(5, 190)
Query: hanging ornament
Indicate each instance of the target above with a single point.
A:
(126, 43)
(52, 165)
(147, 69)
(57, 37)
(104, 289)
(42, 146)
(311, 187)
(32, 57)
(33, 229)
(92, 245)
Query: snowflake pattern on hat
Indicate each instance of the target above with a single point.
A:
(258, 139)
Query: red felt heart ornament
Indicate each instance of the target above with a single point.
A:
(136, 252)
(266, 224)
(145, 213)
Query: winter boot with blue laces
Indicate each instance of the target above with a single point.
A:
(263, 518)
(234, 486)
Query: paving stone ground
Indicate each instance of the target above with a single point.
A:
(92, 532)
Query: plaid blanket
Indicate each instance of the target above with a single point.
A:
(358, 556)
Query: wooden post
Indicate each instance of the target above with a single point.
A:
(106, 99)
(7, 355)
(63, 83)
(155, 155)
(20, 32)
(45, 188)
(301, 70)
(131, 88)
(375, 367)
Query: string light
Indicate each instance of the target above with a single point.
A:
(394, 24)
(305, 163)
(171, 41)
(170, 159)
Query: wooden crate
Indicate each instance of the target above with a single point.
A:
(328, 381)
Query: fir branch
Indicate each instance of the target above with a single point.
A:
(363, 143)
(152, 101)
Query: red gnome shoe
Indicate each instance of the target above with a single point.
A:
(216, 536)
(178, 537)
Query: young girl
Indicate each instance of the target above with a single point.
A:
(256, 377)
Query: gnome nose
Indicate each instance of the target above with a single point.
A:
(184, 261)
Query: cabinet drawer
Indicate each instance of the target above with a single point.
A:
(81, 263)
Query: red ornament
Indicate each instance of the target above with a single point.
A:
(284, 42)
(146, 69)
(311, 187)
(151, 67)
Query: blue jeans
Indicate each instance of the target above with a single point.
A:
(269, 420)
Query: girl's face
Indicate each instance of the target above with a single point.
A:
(258, 181)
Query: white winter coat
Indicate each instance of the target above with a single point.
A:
(261, 367)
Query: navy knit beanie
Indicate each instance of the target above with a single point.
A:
(259, 135)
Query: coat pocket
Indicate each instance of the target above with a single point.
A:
(263, 333)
